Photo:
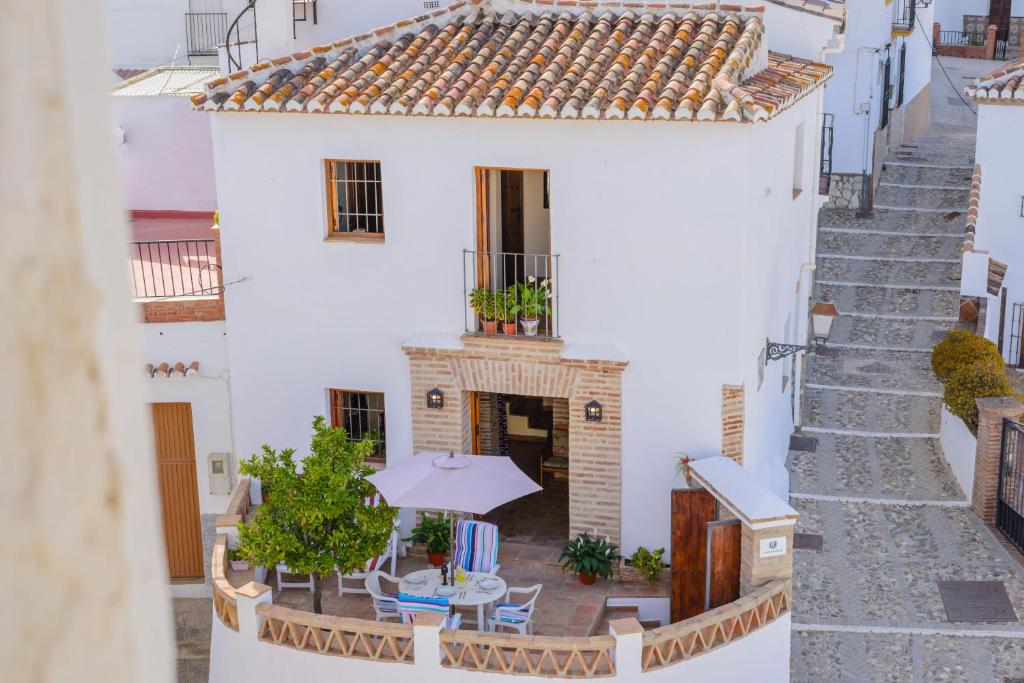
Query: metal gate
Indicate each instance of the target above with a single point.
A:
(1010, 506)
(1013, 355)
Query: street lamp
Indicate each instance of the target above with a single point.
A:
(823, 314)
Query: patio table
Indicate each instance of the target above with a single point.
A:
(467, 594)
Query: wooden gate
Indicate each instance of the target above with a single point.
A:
(722, 582)
(705, 555)
(179, 494)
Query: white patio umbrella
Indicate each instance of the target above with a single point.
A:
(446, 481)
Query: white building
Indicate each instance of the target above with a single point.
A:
(879, 97)
(993, 268)
(973, 16)
(668, 189)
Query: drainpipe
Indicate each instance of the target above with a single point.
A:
(866, 200)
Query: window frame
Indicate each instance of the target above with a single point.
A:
(335, 399)
(331, 203)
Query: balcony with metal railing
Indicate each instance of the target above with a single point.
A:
(204, 31)
(166, 269)
(904, 14)
(511, 293)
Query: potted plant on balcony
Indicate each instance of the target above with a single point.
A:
(531, 302)
(503, 304)
(589, 557)
(435, 534)
(482, 301)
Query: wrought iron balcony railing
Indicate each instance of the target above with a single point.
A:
(904, 15)
(510, 293)
(165, 269)
(204, 31)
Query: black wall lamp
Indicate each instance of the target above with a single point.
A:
(435, 399)
(593, 411)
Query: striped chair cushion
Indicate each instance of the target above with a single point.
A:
(410, 605)
(476, 546)
(512, 613)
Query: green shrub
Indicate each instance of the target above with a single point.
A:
(648, 563)
(967, 384)
(961, 348)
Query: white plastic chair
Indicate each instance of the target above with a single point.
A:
(375, 564)
(384, 605)
(283, 569)
(515, 615)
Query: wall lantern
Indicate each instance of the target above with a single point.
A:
(435, 398)
(593, 411)
(823, 314)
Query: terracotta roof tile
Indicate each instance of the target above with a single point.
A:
(668, 62)
(971, 226)
(1005, 85)
(996, 274)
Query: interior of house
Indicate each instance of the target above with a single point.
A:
(534, 432)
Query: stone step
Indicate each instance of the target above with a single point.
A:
(922, 175)
(902, 195)
(892, 370)
(873, 467)
(860, 411)
(931, 157)
(902, 334)
(876, 299)
(884, 243)
(950, 223)
(837, 268)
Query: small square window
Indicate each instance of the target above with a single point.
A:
(361, 414)
(355, 206)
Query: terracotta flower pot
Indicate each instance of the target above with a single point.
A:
(587, 579)
(508, 328)
(435, 559)
(490, 327)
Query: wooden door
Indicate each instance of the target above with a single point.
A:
(513, 242)
(722, 580)
(474, 422)
(999, 14)
(179, 493)
(483, 227)
(692, 509)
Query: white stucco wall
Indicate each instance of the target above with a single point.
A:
(208, 392)
(237, 657)
(998, 151)
(960, 448)
(672, 248)
(166, 157)
(919, 54)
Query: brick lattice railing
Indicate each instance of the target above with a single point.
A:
(506, 653)
(699, 635)
(339, 636)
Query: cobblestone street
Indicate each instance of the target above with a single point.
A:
(876, 487)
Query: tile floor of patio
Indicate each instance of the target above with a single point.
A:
(565, 607)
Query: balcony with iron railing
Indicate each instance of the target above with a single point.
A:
(204, 31)
(166, 269)
(510, 293)
(904, 14)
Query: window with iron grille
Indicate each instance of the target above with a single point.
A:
(361, 414)
(355, 205)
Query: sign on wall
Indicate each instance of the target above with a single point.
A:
(773, 547)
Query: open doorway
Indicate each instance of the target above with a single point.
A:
(534, 432)
(514, 244)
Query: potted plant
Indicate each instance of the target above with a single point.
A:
(482, 301)
(238, 563)
(589, 557)
(435, 534)
(503, 304)
(648, 563)
(531, 302)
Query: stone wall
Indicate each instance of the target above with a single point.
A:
(530, 367)
(756, 570)
(844, 191)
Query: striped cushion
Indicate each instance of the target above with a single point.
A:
(513, 613)
(410, 605)
(476, 546)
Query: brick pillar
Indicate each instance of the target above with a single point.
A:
(732, 422)
(991, 412)
(936, 34)
(757, 568)
(219, 270)
(990, 41)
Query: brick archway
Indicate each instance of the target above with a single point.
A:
(530, 368)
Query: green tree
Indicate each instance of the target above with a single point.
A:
(316, 520)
